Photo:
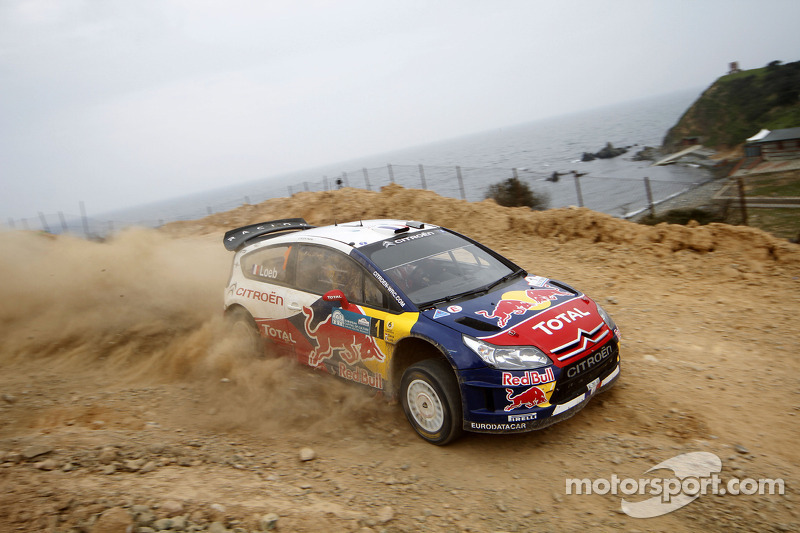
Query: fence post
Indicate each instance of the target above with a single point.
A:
(45, 227)
(391, 173)
(578, 188)
(344, 179)
(742, 200)
(460, 183)
(422, 176)
(366, 178)
(84, 220)
(325, 183)
(649, 192)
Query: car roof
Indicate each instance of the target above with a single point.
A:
(343, 236)
(365, 232)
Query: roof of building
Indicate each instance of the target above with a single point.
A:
(780, 135)
(758, 136)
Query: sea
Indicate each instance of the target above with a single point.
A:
(545, 154)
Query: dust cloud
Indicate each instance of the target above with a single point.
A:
(146, 308)
(82, 301)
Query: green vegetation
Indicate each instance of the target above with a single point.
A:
(738, 105)
(757, 72)
(783, 222)
(777, 188)
(514, 193)
(684, 216)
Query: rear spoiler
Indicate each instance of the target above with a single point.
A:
(236, 238)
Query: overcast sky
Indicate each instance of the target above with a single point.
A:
(123, 102)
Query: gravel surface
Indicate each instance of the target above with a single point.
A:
(125, 403)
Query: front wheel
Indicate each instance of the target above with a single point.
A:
(431, 401)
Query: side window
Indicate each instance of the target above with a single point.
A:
(268, 264)
(321, 269)
(373, 294)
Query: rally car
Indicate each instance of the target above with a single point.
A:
(464, 337)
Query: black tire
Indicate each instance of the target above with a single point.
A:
(431, 401)
(242, 325)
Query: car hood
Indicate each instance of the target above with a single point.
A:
(536, 311)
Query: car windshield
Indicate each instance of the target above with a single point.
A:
(430, 266)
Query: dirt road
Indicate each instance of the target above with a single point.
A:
(123, 403)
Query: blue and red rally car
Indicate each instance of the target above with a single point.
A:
(467, 339)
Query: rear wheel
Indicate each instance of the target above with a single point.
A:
(244, 329)
(431, 401)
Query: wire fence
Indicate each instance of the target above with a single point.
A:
(621, 197)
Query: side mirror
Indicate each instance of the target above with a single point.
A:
(336, 296)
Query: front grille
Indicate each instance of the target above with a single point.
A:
(567, 388)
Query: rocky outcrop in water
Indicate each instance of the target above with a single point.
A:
(605, 153)
(648, 153)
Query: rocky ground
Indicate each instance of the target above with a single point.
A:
(124, 404)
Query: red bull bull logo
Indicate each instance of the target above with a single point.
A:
(333, 340)
(529, 398)
(520, 302)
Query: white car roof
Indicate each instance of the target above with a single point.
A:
(366, 232)
(350, 234)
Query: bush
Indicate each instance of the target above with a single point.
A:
(684, 216)
(514, 193)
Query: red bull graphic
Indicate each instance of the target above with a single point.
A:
(529, 398)
(361, 375)
(520, 302)
(567, 331)
(529, 377)
(333, 340)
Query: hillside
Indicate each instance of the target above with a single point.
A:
(739, 105)
(127, 405)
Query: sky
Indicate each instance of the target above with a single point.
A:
(118, 103)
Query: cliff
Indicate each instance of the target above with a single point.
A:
(737, 106)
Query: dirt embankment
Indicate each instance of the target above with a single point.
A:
(123, 401)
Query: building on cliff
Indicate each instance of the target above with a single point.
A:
(777, 145)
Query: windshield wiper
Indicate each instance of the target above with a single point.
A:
(502, 280)
(445, 299)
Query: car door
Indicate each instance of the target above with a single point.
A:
(347, 339)
(268, 274)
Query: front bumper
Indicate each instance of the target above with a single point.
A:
(486, 410)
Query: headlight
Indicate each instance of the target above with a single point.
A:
(508, 357)
(606, 317)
